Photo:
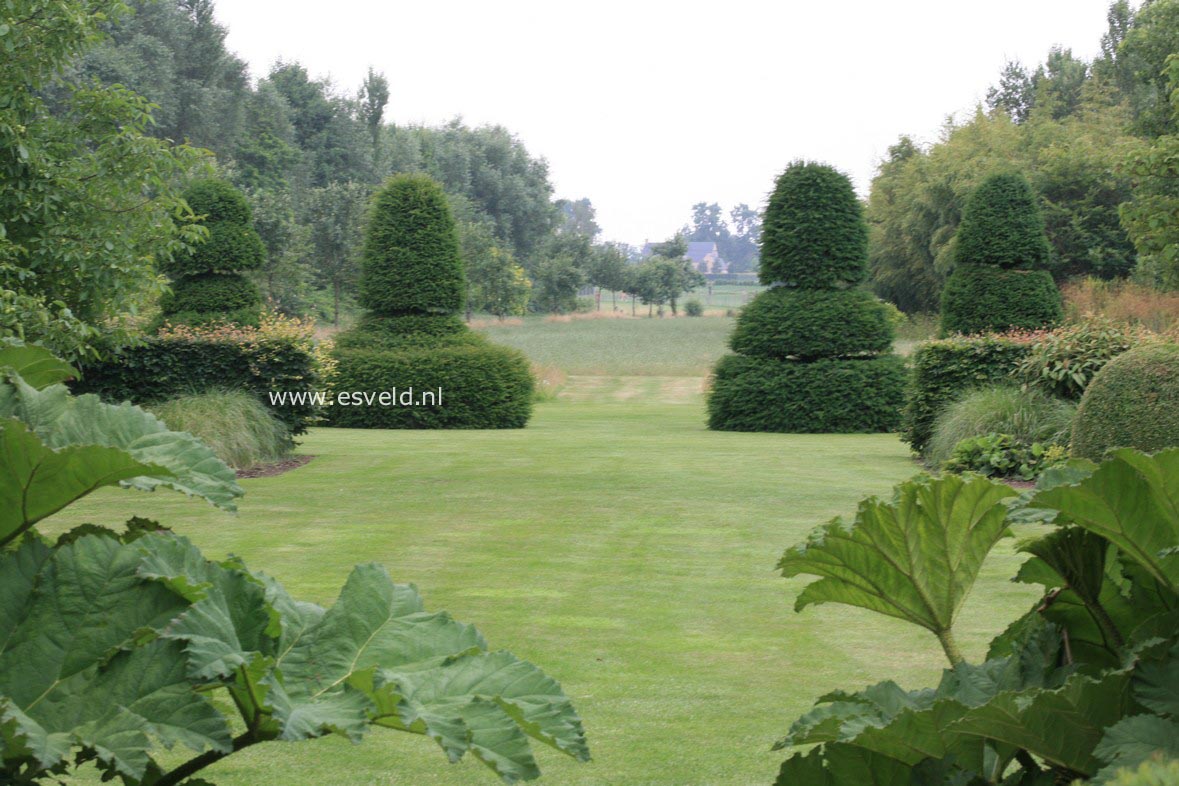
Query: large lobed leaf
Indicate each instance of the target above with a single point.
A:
(74, 670)
(915, 557)
(57, 448)
(1131, 500)
(35, 365)
(298, 671)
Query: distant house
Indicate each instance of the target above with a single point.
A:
(703, 255)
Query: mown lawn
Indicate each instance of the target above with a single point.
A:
(616, 543)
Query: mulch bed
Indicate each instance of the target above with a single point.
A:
(277, 468)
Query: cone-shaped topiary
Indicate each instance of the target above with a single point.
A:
(813, 354)
(207, 285)
(813, 234)
(1001, 248)
(411, 261)
(1132, 402)
(412, 344)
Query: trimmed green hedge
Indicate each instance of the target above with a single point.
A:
(250, 316)
(810, 323)
(1132, 402)
(481, 386)
(376, 332)
(813, 234)
(411, 251)
(823, 396)
(211, 292)
(1002, 226)
(232, 245)
(946, 369)
(164, 368)
(982, 298)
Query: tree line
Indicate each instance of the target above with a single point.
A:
(1093, 138)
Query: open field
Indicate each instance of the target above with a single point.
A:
(617, 544)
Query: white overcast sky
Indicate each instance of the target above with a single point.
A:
(649, 107)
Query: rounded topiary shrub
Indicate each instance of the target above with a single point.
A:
(474, 385)
(211, 292)
(232, 244)
(810, 323)
(1133, 402)
(981, 299)
(823, 396)
(412, 343)
(812, 350)
(411, 251)
(813, 232)
(1002, 225)
(1000, 248)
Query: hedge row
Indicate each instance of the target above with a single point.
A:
(983, 298)
(377, 332)
(163, 368)
(480, 386)
(809, 323)
(944, 370)
(823, 396)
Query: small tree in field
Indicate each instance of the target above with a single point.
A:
(813, 351)
(207, 281)
(998, 281)
(413, 282)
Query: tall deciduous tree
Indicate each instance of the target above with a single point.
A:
(89, 197)
(335, 214)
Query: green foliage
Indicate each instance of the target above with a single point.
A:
(1002, 226)
(162, 368)
(1133, 402)
(946, 369)
(231, 243)
(58, 448)
(1083, 684)
(660, 280)
(807, 324)
(1003, 456)
(1027, 416)
(209, 293)
(694, 308)
(236, 426)
(411, 253)
(556, 281)
(982, 299)
(825, 395)
(411, 330)
(915, 558)
(1149, 773)
(89, 197)
(813, 235)
(1152, 216)
(1064, 361)
(806, 347)
(111, 644)
(472, 384)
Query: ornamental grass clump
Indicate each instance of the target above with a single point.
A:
(999, 282)
(207, 282)
(813, 351)
(413, 284)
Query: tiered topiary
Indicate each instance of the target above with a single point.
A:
(999, 282)
(412, 282)
(813, 351)
(1132, 402)
(207, 282)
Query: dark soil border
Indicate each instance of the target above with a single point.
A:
(276, 468)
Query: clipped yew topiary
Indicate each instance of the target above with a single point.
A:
(1132, 402)
(412, 346)
(1001, 249)
(207, 281)
(813, 353)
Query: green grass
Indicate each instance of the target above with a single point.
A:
(620, 546)
(620, 347)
